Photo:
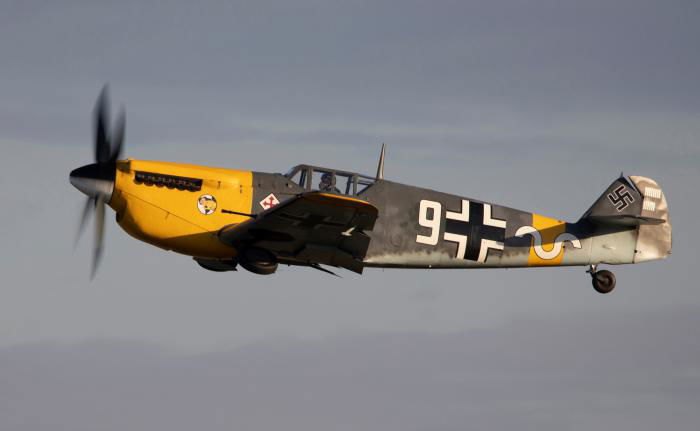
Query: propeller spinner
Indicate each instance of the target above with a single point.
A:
(96, 180)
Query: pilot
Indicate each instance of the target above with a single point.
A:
(326, 184)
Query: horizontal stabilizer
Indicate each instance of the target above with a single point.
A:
(624, 220)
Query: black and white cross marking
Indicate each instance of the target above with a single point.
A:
(620, 198)
(474, 230)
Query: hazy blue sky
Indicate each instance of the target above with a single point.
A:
(536, 105)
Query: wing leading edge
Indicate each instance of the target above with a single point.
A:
(309, 229)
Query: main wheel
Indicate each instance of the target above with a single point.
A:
(217, 265)
(604, 281)
(258, 261)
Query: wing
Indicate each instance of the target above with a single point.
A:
(312, 228)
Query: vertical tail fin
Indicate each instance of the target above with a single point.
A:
(638, 204)
(620, 201)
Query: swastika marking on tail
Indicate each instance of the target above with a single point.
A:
(620, 198)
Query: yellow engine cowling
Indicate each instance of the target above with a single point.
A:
(179, 207)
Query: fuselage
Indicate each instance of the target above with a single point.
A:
(182, 208)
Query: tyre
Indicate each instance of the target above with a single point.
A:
(258, 261)
(217, 265)
(604, 281)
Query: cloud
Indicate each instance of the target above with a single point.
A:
(636, 371)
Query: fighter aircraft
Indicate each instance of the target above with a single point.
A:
(313, 216)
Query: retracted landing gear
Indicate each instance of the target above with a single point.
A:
(258, 261)
(603, 280)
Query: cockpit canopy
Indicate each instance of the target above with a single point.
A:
(329, 180)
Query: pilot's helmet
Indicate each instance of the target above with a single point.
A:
(326, 178)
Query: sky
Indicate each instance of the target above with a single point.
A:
(536, 105)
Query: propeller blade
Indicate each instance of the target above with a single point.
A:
(101, 127)
(118, 136)
(99, 234)
(89, 205)
(96, 180)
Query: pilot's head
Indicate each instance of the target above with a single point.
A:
(326, 180)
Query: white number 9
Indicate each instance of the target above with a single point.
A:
(432, 223)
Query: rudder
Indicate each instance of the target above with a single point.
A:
(654, 241)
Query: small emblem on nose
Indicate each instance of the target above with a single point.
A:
(206, 204)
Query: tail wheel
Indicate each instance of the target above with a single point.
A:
(603, 281)
(258, 261)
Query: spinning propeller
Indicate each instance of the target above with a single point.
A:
(96, 180)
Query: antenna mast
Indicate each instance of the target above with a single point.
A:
(380, 168)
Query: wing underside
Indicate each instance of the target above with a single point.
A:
(310, 229)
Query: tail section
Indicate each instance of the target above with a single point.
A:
(631, 222)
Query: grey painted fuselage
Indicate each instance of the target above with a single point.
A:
(422, 228)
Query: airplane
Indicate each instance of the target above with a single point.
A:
(319, 217)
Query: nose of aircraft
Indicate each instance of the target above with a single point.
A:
(96, 179)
